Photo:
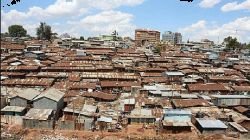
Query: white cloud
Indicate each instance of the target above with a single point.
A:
(208, 3)
(233, 6)
(62, 10)
(202, 29)
(104, 23)
(196, 26)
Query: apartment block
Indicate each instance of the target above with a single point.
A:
(145, 37)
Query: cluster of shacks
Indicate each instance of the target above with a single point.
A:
(92, 85)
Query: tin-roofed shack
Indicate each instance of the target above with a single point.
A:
(186, 103)
(231, 100)
(39, 118)
(13, 110)
(100, 96)
(141, 116)
(49, 99)
(29, 82)
(177, 120)
(208, 88)
(210, 126)
(24, 98)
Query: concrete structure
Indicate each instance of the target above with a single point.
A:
(177, 38)
(168, 37)
(145, 37)
(173, 38)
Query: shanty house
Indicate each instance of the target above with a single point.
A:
(24, 97)
(50, 99)
(210, 126)
(35, 54)
(84, 116)
(231, 100)
(13, 110)
(212, 88)
(129, 104)
(173, 76)
(141, 116)
(34, 47)
(177, 120)
(39, 118)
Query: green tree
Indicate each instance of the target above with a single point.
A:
(114, 34)
(17, 31)
(44, 31)
(231, 43)
(246, 46)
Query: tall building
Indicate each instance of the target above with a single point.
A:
(168, 37)
(144, 37)
(173, 38)
(178, 38)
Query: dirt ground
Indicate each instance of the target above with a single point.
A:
(133, 132)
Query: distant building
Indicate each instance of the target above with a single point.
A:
(168, 37)
(145, 37)
(173, 38)
(109, 38)
(208, 42)
(178, 38)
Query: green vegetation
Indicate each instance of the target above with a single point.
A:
(17, 31)
(44, 31)
(232, 43)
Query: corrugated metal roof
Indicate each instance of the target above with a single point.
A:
(231, 96)
(129, 101)
(89, 108)
(12, 109)
(52, 93)
(141, 112)
(174, 73)
(238, 127)
(208, 123)
(189, 96)
(38, 114)
(177, 111)
(28, 93)
(104, 119)
(205, 97)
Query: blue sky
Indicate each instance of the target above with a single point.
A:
(200, 19)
